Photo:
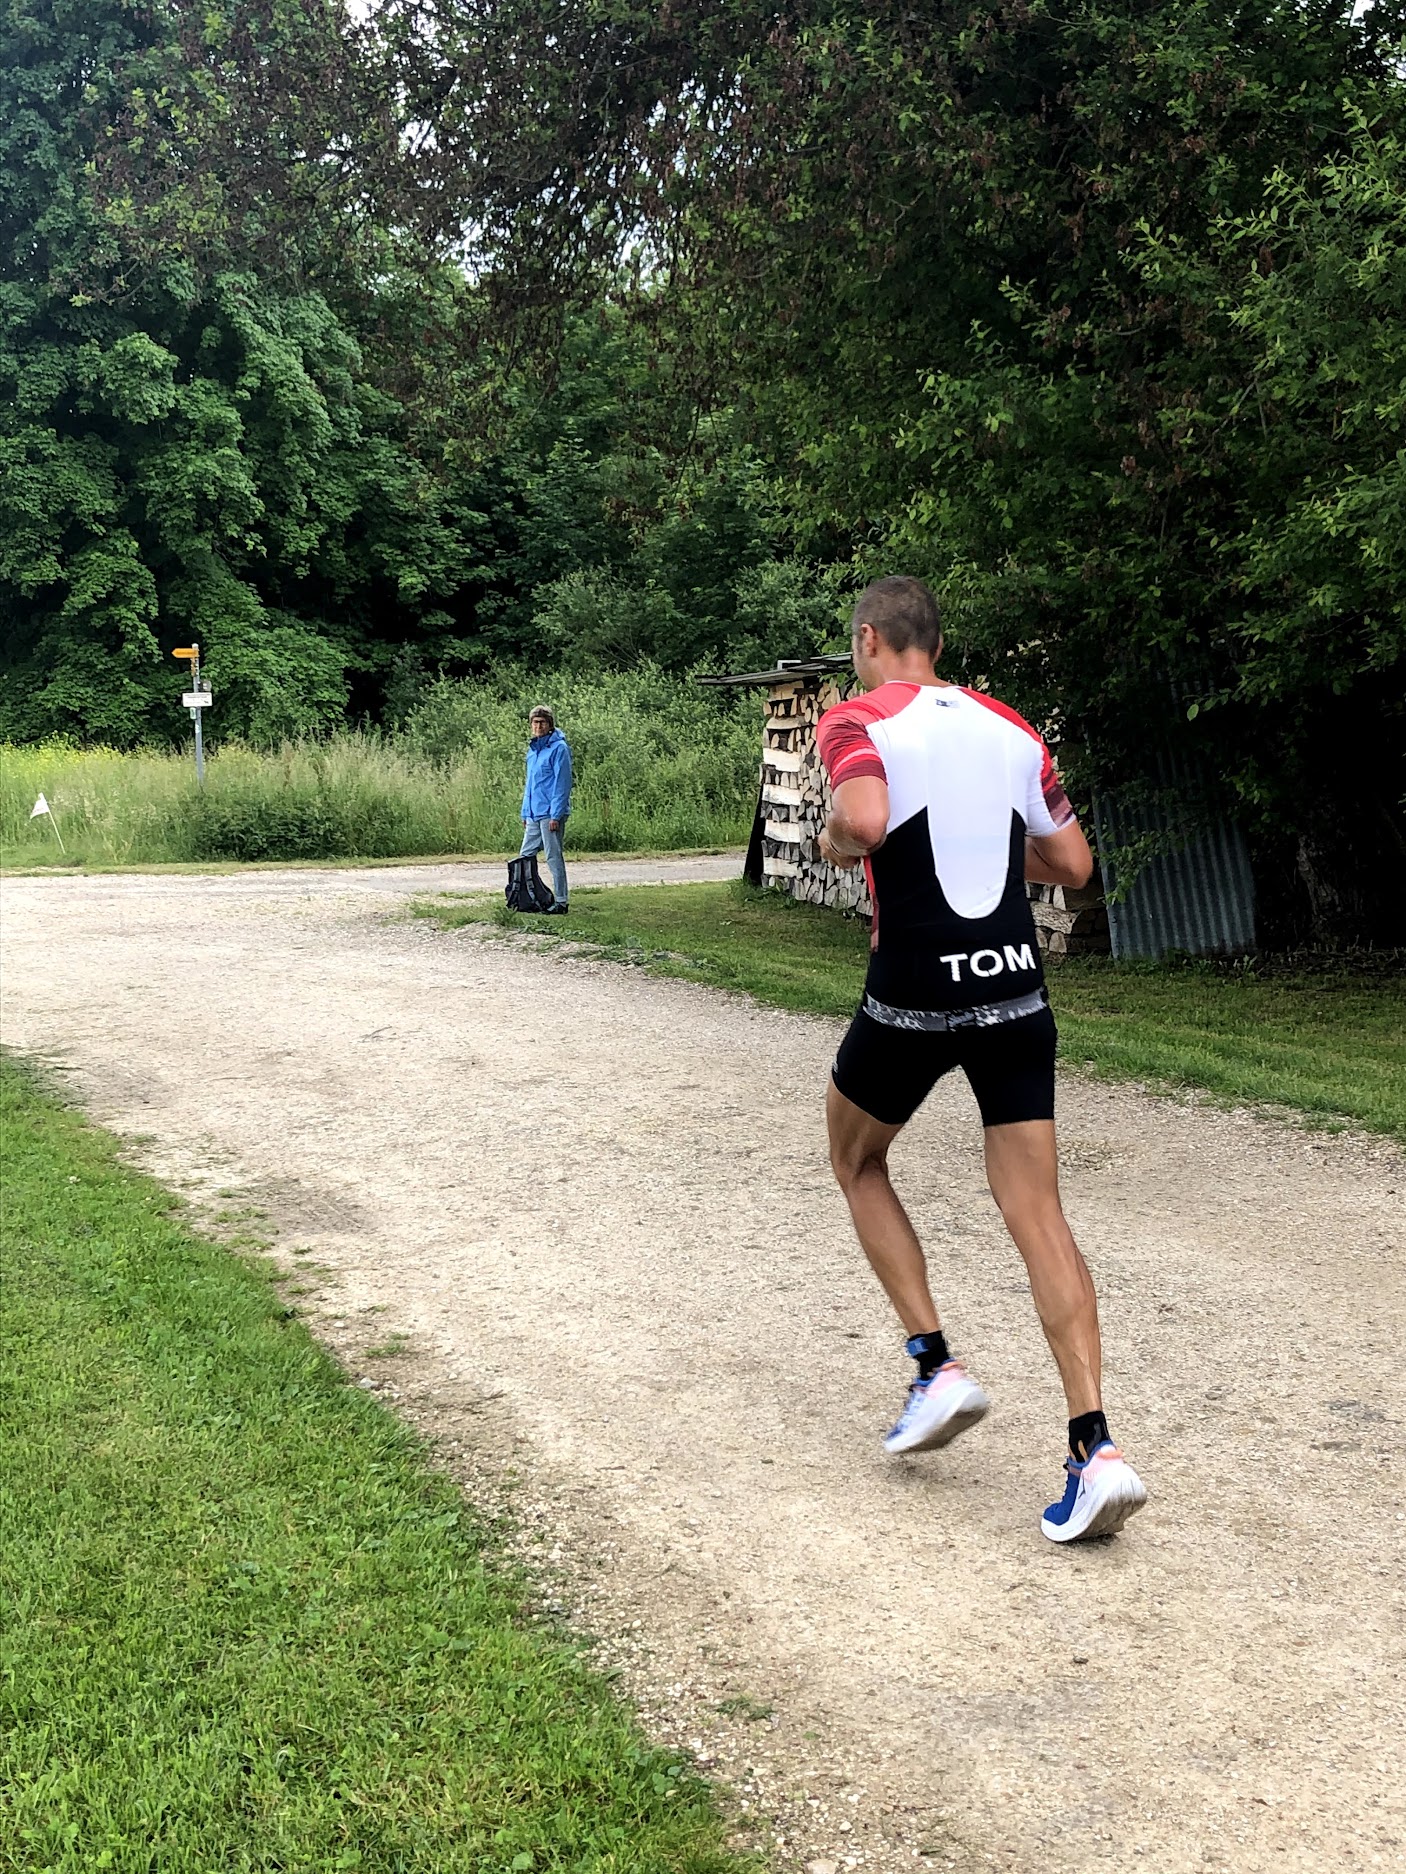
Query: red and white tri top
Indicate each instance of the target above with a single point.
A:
(968, 779)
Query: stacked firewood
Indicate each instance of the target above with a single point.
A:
(1069, 922)
(796, 799)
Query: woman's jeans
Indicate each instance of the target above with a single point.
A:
(537, 836)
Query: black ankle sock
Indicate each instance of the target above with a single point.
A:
(1087, 1433)
(930, 1351)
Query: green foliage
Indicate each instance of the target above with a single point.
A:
(1091, 452)
(220, 477)
(256, 823)
(133, 427)
(230, 430)
(630, 530)
(657, 761)
(249, 1628)
(774, 608)
(1318, 279)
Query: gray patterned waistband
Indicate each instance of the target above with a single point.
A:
(938, 1021)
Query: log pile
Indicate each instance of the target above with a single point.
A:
(1069, 922)
(795, 799)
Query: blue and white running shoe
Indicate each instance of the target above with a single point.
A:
(938, 1409)
(1099, 1497)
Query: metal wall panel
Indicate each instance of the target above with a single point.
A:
(1199, 899)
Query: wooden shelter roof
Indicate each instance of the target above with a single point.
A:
(786, 671)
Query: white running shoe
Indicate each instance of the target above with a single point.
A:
(937, 1411)
(1099, 1497)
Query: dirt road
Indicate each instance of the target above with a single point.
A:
(586, 1218)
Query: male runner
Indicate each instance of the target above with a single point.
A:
(952, 802)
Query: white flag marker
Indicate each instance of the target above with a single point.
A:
(42, 806)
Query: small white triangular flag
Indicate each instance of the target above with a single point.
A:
(41, 806)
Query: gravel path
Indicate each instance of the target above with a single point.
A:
(193, 889)
(584, 1219)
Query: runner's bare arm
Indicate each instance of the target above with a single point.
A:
(858, 823)
(1060, 858)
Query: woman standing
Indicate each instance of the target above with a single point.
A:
(546, 800)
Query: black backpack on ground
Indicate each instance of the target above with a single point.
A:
(525, 890)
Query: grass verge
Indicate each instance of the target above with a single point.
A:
(246, 1628)
(1325, 1044)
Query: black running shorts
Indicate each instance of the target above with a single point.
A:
(889, 1072)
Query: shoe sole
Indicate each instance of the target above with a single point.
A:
(951, 1427)
(1108, 1516)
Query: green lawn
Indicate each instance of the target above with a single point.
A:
(1329, 1045)
(244, 1627)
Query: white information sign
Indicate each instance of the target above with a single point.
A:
(197, 699)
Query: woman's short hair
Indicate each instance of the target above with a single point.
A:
(541, 709)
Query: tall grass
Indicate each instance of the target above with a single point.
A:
(660, 763)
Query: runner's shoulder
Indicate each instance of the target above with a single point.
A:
(846, 712)
(1057, 802)
(869, 706)
(1004, 713)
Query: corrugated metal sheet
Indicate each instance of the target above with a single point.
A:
(1198, 897)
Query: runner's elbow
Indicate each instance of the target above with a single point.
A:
(867, 831)
(1074, 874)
(1064, 857)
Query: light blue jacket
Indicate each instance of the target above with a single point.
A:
(547, 795)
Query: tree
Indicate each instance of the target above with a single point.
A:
(1313, 285)
(181, 456)
(245, 400)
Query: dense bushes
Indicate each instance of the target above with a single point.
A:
(656, 759)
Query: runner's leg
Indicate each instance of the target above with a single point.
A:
(1022, 1169)
(859, 1155)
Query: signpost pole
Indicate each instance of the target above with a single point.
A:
(197, 700)
(199, 715)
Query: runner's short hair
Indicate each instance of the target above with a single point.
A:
(542, 709)
(903, 612)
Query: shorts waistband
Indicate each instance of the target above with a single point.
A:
(939, 1021)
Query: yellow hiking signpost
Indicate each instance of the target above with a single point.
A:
(196, 699)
